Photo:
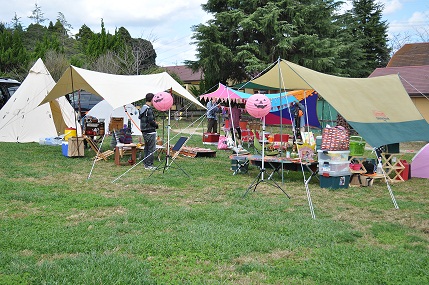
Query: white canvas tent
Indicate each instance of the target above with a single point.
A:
(23, 120)
(103, 110)
(117, 90)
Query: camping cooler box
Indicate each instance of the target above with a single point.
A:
(334, 182)
(65, 148)
(211, 138)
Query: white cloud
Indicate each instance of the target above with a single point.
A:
(418, 18)
(166, 22)
(391, 6)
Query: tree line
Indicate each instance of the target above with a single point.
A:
(244, 36)
(116, 53)
(242, 39)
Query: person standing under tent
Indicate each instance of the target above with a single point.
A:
(212, 109)
(298, 113)
(148, 127)
(234, 119)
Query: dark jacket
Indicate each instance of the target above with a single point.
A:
(147, 120)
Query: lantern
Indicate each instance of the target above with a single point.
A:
(162, 101)
(258, 105)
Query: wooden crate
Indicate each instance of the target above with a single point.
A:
(76, 147)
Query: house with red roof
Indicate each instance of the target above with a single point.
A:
(186, 75)
(190, 79)
(411, 63)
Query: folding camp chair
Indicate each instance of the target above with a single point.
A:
(169, 159)
(258, 147)
(99, 155)
(240, 165)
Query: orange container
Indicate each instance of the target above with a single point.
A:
(243, 125)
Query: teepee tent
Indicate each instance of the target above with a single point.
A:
(420, 163)
(103, 110)
(23, 120)
(117, 90)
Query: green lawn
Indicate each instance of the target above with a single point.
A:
(59, 227)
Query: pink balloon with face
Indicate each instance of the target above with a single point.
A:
(162, 101)
(258, 105)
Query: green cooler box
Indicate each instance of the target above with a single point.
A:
(334, 182)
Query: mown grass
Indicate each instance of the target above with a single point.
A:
(59, 227)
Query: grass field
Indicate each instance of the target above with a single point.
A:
(59, 227)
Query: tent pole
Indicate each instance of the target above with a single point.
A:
(76, 116)
(310, 203)
(96, 156)
(392, 196)
(281, 115)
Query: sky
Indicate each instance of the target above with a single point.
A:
(167, 23)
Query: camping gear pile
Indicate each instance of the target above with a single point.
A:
(333, 157)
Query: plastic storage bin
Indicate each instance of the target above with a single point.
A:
(357, 146)
(331, 155)
(335, 182)
(334, 167)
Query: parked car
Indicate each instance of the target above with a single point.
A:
(7, 88)
(83, 101)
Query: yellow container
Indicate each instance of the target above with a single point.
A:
(69, 132)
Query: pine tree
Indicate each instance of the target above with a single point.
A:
(37, 15)
(372, 32)
(244, 37)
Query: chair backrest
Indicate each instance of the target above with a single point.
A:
(178, 146)
(256, 144)
(180, 143)
(258, 147)
(245, 135)
(92, 144)
(283, 138)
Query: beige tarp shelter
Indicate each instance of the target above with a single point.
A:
(23, 120)
(378, 108)
(117, 90)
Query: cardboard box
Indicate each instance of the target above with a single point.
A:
(76, 147)
(116, 123)
(361, 180)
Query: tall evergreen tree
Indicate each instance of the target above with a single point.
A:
(372, 32)
(245, 36)
(13, 55)
(37, 15)
(16, 23)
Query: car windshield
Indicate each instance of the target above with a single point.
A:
(12, 90)
(85, 99)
